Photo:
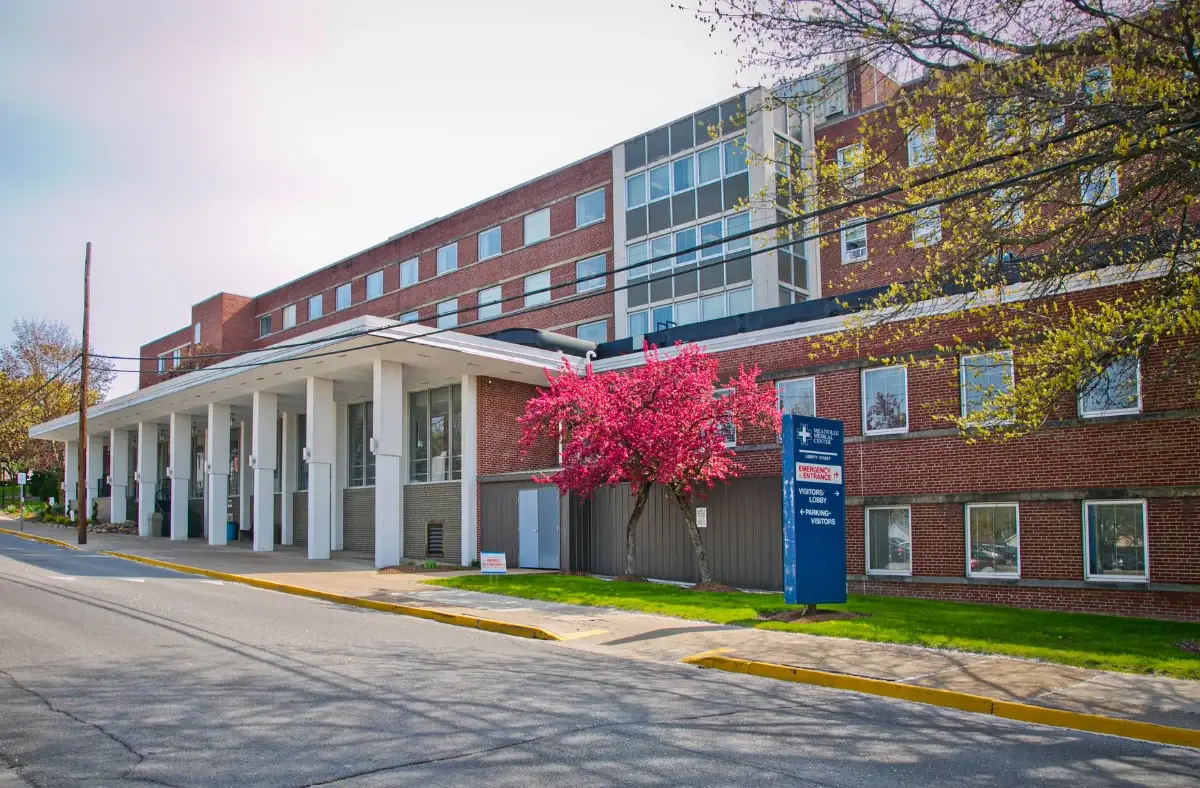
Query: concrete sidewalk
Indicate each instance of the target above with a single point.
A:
(660, 639)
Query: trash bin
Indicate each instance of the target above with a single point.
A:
(231, 532)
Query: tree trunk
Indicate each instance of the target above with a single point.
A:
(689, 517)
(639, 504)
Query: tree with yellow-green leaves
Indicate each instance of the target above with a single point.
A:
(1035, 145)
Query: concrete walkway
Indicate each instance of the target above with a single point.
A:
(660, 639)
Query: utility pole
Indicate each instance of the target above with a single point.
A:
(81, 489)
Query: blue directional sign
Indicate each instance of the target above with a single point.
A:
(814, 511)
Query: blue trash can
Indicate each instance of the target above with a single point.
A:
(231, 532)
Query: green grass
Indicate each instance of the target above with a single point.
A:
(1131, 645)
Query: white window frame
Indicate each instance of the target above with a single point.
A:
(406, 267)
(492, 306)
(447, 317)
(598, 281)
(176, 357)
(967, 537)
(720, 165)
(1097, 414)
(927, 217)
(846, 225)
(289, 317)
(843, 164)
(488, 233)
(196, 335)
(1112, 182)
(410, 317)
(642, 200)
(603, 209)
(737, 142)
(536, 215)
(601, 323)
(721, 394)
(862, 386)
(319, 300)
(375, 276)
(162, 361)
(537, 298)
(962, 378)
(811, 380)
(867, 542)
(337, 297)
(261, 333)
(925, 151)
(1087, 546)
(443, 258)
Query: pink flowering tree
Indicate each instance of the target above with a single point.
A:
(660, 423)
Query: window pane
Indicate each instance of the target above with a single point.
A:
(993, 533)
(342, 296)
(447, 313)
(456, 432)
(634, 254)
(740, 301)
(534, 284)
(447, 258)
(708, 163)
(589, 208)
(593, 266)
(375, 284)
(264, 328)
(315, 304)
(489, 243)
(660, 182)
(687, 312)
(289, 316)
(635, 190)
(683, 174)
(638, 323)
(1116, 539)
(593, 332)
(711, 232)
(738, 223)
(409, 317)
(408, 273)
(439, 435)
(660, 253)
(357, 445)
(368, 432)
(885, 399)
(488, 308)
(735, 155)
(537, 226)
(301, 442)
(797, 397)
(854, 240)
(1114, 390)
(712, 307)
(983, 377)
(418, 436)
(685, 240)
(889, 546)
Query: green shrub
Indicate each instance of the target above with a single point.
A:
(430, 564)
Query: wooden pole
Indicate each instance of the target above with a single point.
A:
(81, 489)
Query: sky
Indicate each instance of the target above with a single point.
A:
(233, 145)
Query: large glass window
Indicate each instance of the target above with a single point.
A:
(591, 267)
(735, 155)
(1115, 539)
(537, 289)
(889, 540)
(922, 146)
(984, 376)
(374, 285)
(489, 306)
(708, 164)
(927, 226)
(885, 400)
(537, 226)
(341, 296)
(409, 273)
(289, 316)
(993, 546)
(854, 240)
(635, 190)
(593, 332)
(1114, 391)
(447, 258)
(361, 460)
(797, 397)
(316, 305)
(589, 208)
(447, 313)
(660, 183)
(435, 434)
(682, 174)
(489, 243)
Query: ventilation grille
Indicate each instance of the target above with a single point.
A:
(433, 539)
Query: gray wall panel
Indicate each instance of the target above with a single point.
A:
(358, 518)
(433, 502)
(300, 518)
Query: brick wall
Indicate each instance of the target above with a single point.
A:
(500, 403)
(426, 503)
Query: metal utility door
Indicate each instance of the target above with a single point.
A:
(537, 528)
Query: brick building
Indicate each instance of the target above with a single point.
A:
(373, 405)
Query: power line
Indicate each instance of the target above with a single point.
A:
(30, 397)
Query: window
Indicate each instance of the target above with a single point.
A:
(537, 226)
(927, 226)
(435, 434)
(410, 317)
(447, 313)
(885, 400)
(798, 397)
(854, 240)
(176, 355)
(660, 183)
(740, 301)
(593, 332)
(635, 190)
(591, 267)
(850, 164)
(1097, 84)
(589, 208)
(196, 335)
(534, 284)
(408, 273)
(289, 316)
(1114, 391)
(447, 258)
(735, 225)
(922, 146)
(1099, 186)
(981, 377)
(1114, 538)
(341, 296)
(638, 325)
(489, 243)
(726, 426)
(735, 156)
(315, 306)
(264, 325)
(682, 175)
(999, 129)
(889, 541)
(1008, 208)
(993, 543)
(489, 305)
(301, 442)
(362, 460)
(708, 165)
(162, 362)
(374, 285)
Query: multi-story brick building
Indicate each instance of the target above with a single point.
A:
(375, 400)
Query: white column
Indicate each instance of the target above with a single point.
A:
(470, 489)
(217, 461)
(388, 445)
(118, 441)
(262, 450)
(287, 477)
(319, 426)
(180, 473)
(70, 474)
(95, 470)
(341, 472)
(245, 477)
(147, 472)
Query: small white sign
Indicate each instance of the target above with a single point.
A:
(816, 472)
(493, 564)
(21, 478)
(701, 516)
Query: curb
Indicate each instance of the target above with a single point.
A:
(454, 619)
(976, 704)
(36, 538)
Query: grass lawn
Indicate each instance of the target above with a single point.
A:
(1132, 645)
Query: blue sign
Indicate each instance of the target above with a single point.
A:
(814, 512)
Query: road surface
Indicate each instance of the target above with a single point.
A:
(118, 674)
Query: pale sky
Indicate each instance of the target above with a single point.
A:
(209, 145)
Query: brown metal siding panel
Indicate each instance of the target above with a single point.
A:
(498, 516)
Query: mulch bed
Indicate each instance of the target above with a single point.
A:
(630, 579)
(790, 616)
(713, 585)
(1192, 646)
(416, 569)
(102, 528)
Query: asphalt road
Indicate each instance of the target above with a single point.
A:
(118, 674)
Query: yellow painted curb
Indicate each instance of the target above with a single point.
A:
(977, 704)
(455, 619)
(36, 538)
